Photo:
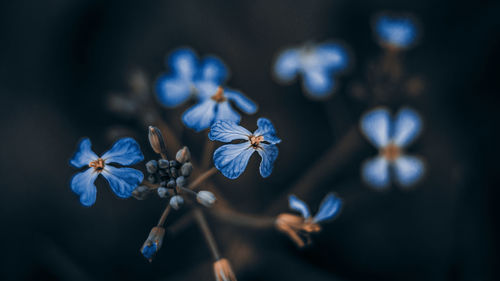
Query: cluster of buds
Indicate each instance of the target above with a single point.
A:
(297, 228)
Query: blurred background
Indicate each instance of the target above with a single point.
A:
(59, 60)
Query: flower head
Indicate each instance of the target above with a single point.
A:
(391, 137)
(299, 228)
(123, 180)
(316, 64)
(232, 159)
(395, 32)
(153, 243)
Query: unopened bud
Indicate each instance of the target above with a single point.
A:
(181, 181)
(163, 164)
(153, 243)
(141, 192)
(223, 271)
(152, 166)
(183, 155)
(205, 198)
(176, 202)
(156, 140)
(186, 169)
(162, 192)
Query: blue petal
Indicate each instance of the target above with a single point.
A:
(376, 126)
(408, 170)
(242, 102)
(232, 159)
(266, 129)
(125, 151)
(184, 63)
(398, 32)
(226, 113)
(148, 251)
(84, 155)
(83, 185)
(200, 116)
(298, 205)
(269, 153)
(226, 131)
(205, 89)
(287, 65)
(407, 127)
(329, 208)
(122, 180)
(375, 172)
(333, 56)
(213, 69)
(172, 91)
(317, 82)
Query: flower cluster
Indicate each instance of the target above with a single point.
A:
(188, 77)
(395, 32)
(316, 63)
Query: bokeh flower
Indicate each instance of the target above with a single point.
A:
(396, 32)
(122, 180)
(391, 137)
(317, 65)
(232, 159)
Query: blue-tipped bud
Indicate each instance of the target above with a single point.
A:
(153, 243)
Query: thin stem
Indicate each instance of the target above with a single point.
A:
(201, 178)
(164, 215)
(209, 238)
(189, 191)
(207, 153)
(241, 219)
(180, 224)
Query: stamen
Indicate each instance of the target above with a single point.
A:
(391, 152)
(98, 164)
(255, 140)
(219, 95)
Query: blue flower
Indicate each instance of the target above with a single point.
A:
(391, 137)
(214, 105)
(397, 32)
(328, 209)
(123, 181)
(232, 159)
(316, 64)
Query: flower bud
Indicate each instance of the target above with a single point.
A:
(162, 192)
(205, 198)
(181, 181)
(152, 166)
(141, 192)
(163, 164)
(183, 155)
(223, 271)
(153, 243)
(176, 202)
(156, 140)
(171, 183)
(186, 169)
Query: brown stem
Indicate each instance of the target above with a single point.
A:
(164, 215)
(207, 154)
(201, 178)
(180, 224)
(209, 238)
(241, 219)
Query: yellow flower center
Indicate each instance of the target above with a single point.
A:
(219, 95)
(98, 164)
(391, 152)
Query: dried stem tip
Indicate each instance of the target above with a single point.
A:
(297, 228)
(153, 243)
(223, 271)
(156, 140)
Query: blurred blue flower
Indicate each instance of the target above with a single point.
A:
(398, 32)
(232, 159)
(316, 64)
(123, 180)
(328, 209)
(391, 137)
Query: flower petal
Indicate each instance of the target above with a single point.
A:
(329, 208)
(83, 185)
(205, 88)
(242, 102)
(317, 82)
(122, 180)
(407, 127)
(125, 151)
(287, 65)
(226, 113)
(200, 116)
(232, 159)
(375, 172)
(399, 32)
(171, 90)
(408, 170)
(227, 131)
(298, 205)
(184, 63)
(266, 129)
(269, 153)
(376, 126)
(333, 56)
(84, 155)
(213, 69)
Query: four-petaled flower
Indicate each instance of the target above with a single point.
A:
(299, 228)
(316, 63)
(232, 159)
(203, 80)
(395, 32)
(391, 137)
(123, 180)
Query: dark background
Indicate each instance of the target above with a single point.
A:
(59, 59)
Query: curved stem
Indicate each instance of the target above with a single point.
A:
(209, 238)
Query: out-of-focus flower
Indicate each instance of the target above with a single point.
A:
(123, 180)
(317, 65)
(391, 137)
(153, 243)
(232, 159)
(396, 32)
(299, 228)
(223, 271)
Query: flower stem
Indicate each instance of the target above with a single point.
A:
(207, 154)
(164, 215)
(209, 238)
(241, 219)
(201, 178)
